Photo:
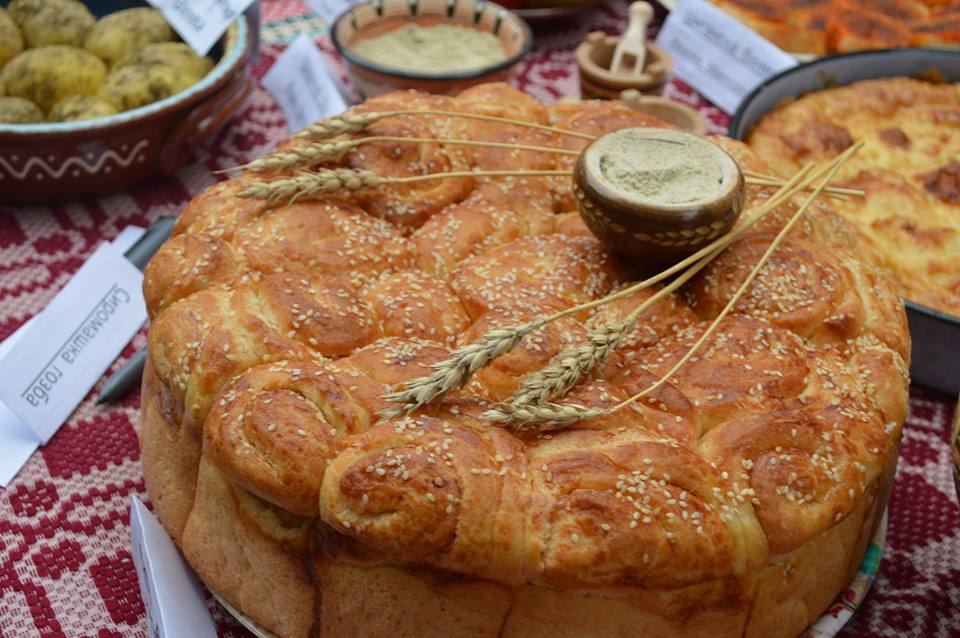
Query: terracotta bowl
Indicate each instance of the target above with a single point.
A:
(648, 233)
(370, 19)
(66, 161)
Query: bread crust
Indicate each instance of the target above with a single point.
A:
(233, 541)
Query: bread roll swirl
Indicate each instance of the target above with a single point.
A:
(623, 507)
(556, 270)
(497, 213)
(276, 427)
(409, 205)
(428, 491)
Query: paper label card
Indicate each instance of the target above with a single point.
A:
(718, 55)
(67, 347)
(200, 22)
(330, 10)
(171, 592)
(303, 86)
(17, 441)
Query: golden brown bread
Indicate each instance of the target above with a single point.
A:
(413, 304)
(334, 238)
(274, 429)
(496, 213)
(734, 501)
(548, 270)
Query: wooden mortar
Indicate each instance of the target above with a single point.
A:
(647, 231)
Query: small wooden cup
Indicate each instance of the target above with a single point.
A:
(594, 56)
(649, 233)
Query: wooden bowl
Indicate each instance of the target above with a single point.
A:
(641, 227)
(370, 19)
(66, 161)
(680, 115)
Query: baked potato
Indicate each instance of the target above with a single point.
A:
(48, 74)
(119, 34)
(16, 110)
(80, 107)
(46, 22)
(11, 41)
(138, 84)
(175, 54)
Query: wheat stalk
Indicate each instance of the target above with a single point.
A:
(572, 365)
(321, 151)
(327, 181)
(456, 371)
(309, 184)
(761, 179)
(559, 414)
(342, 124)
(353, 123)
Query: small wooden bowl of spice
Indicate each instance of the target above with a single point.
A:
(657, 195)
(429, 45)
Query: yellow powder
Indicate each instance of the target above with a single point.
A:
(439, 48)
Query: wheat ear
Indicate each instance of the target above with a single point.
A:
(553, 414)
(327, 181)
(316, 152)
(352, 123)
(545, 416)
(454, 372)
(309, 184)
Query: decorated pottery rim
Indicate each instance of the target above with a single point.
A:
(732, 177)
(828, 625)
(235, 46)
(413, 11)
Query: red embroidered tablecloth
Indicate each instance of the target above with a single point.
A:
(65, 567)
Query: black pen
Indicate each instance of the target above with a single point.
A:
(128, 375)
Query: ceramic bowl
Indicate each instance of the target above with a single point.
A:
(935, 336)
(66, 161)
(649, 234)
(375, 18)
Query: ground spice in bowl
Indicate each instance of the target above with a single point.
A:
(660, 171)
(439, 48)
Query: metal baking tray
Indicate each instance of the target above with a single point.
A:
(935, 360)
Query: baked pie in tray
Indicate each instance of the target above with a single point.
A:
(834, 26)
(737, 500)
(908, 222)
